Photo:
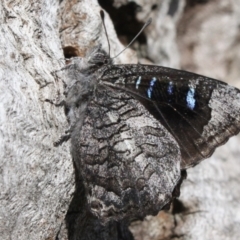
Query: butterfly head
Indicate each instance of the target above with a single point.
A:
(99, 57)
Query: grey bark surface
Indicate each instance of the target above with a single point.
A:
(37, 180)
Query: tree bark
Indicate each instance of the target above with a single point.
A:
(37, 180)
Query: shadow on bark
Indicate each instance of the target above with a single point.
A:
(82, 224)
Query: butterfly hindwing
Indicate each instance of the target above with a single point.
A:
(129, 162)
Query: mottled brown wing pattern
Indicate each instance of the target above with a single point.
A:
(129, 162)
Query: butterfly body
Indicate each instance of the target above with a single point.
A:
(135, 127)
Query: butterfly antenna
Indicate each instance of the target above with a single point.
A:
(144, 26)
(102, 17)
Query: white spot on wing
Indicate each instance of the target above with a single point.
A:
(191, 101)
(150, 89)
(170, 88)
(138, 81)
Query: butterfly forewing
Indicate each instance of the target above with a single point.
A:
(201, 113)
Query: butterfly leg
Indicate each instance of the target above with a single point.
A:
(56, 104)
(65, 137)
(62, 139)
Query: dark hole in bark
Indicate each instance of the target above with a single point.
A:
(70, 52)
(124, 19)
(178, 207)
(173, 7)
(192, 3)
(154, 7)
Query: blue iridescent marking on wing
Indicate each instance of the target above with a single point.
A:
(170, 88)
(138, 81)
(150, 89)
(191, 101)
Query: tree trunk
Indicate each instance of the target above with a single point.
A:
(37, 180)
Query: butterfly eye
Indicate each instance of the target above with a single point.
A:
(99, 58)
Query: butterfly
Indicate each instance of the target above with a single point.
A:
(135, 128)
